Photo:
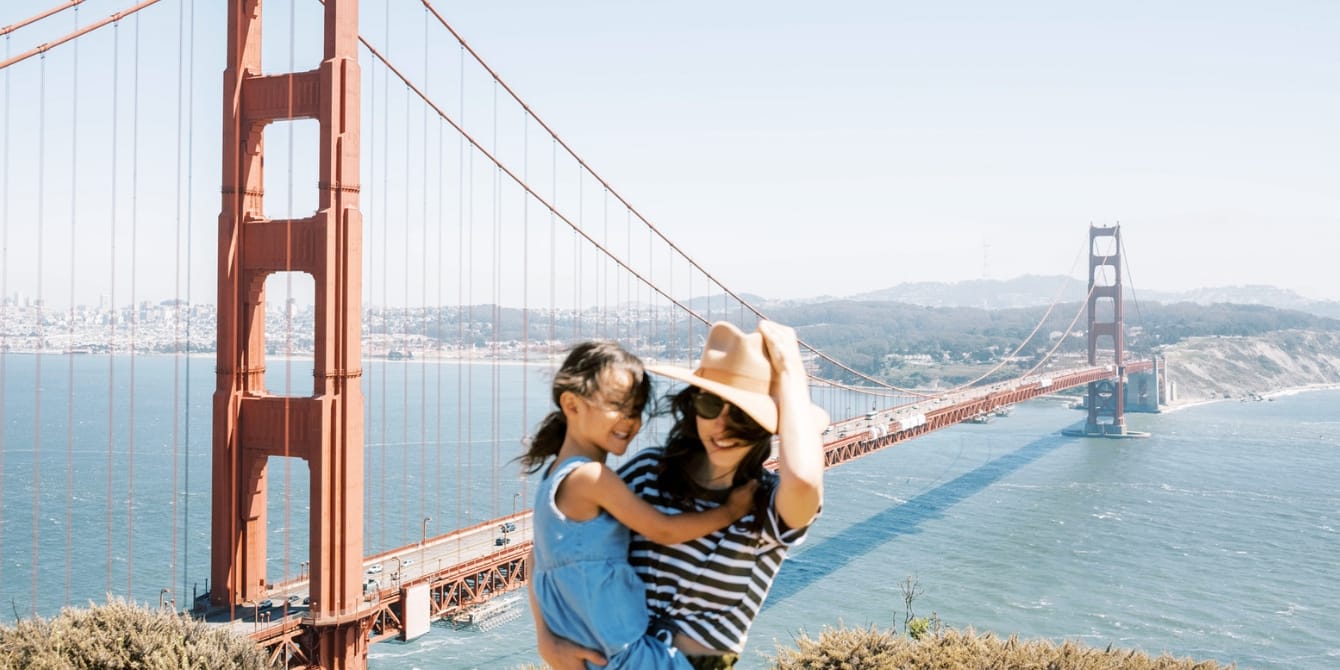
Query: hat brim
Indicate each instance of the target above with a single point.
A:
(759, 406)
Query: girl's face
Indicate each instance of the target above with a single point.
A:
(607, 419)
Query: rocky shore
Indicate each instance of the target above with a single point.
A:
(1204, 369)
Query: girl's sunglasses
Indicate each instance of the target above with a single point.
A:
(709, 406)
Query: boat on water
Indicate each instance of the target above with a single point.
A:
(488, 615)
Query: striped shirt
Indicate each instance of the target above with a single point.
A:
(710, 588)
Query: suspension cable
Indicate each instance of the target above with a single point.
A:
(43, 48)
(41, 15)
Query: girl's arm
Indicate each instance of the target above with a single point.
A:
(593, 486)
(800, 462)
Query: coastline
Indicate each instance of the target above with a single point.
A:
(1267, 396)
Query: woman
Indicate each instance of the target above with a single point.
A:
(704, 594)
(581, 585)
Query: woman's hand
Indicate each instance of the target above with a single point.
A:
(561, 654)
(783, 347)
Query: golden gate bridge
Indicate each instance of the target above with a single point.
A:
(386, 197)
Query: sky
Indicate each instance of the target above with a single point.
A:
(798, 150)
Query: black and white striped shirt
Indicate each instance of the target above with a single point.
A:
(710, 588)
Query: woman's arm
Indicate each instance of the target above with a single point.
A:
(559, 653)
(801, 451)
(593, 485)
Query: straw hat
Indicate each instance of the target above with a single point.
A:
(735, 366)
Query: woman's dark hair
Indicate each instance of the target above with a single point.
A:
(683, 447)
(580, 374)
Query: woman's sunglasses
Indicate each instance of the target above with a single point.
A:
(709, 406)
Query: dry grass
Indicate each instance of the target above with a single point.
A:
(872, 649)
(123, 636)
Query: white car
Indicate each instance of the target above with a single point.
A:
(374, 568)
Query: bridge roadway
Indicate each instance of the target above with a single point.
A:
(467, 567)
(852, 438)
(461, 569)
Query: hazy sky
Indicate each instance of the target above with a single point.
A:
(803, 149)
(807, 149)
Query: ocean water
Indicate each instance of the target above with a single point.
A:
(1214, 538)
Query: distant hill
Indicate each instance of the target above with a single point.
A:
(1035, 290)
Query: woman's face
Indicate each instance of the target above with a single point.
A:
(724, 450)
(607, 419)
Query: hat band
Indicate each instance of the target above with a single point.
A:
(739, 381)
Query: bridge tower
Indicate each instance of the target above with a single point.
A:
(1106, 398)
(326, 427)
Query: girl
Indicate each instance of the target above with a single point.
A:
(582, 588)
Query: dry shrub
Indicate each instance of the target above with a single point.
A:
(872, 649)
(122, 636)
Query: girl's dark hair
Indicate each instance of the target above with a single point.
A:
(683, 447)
(580, 374)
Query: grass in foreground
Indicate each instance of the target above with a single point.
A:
(873, 649)
(121, 636)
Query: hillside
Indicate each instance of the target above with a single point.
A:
(1209, 368)
(1035, 290)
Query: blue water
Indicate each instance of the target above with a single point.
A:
(1214, 538)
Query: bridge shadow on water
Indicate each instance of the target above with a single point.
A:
(816, 561)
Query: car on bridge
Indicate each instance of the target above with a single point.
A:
(507, 527)
(502, 541)
(374, 568)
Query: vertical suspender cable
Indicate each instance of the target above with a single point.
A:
(369, 285)
(111, 296)
(468, 250)
(190, 171)
(404, 323)
(288, 312)
(603, 269)
(577, 250)
(496, 283)
(39, 321)
(386, 279)
(134, 308)
(423, 308)
(176, 308)
(441, 328)
(525, 287)
(4, 294)
(69, 370)
(632, 330)
(460, 306)
(553, 243)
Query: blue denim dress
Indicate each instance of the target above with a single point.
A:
(587, 591)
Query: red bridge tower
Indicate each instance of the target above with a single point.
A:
(326, 427)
